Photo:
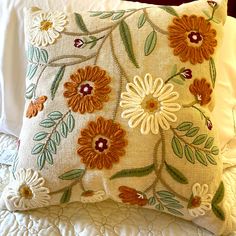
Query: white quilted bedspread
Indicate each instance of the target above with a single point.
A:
(105, 218)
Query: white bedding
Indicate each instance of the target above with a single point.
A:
(105, 218)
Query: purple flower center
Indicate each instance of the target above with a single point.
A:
(78, 43)
(101, 144)
(195, 37)
(85, 89)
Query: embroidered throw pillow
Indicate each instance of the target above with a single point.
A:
(118, 106)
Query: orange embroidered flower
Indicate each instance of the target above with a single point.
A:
(192, 38)
(132, 196)
(87, 90)
(201, 90)
(101, 144)
(35, 106)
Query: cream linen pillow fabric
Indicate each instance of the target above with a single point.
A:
(118, 106)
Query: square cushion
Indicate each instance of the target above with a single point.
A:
(118, 105)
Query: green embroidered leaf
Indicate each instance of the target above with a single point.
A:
(209, 143)
(185, 126)
(40, 136)
(176, 174)
(30, 91)
(80, 22)
(118, 15)
(41, 160)
(36, 54)
(219, 195)
(164, 194)
(72, 174)
(178, 81)
(56, 138)
(57, 81)
(96, 13)
(47, 123)
(159, 207)
(137, 172)
(52, 146)
(30, 52)
(169, 200)
(37, 148)
(218, 212)
(150, 43)
(211, 159)
(174, 205)
(152, 201)
(66, 195)
(70, 122)
(106, 15)
(64, 129)
(189, 154)
(127, 41)
(48, 157)
(192, 132)
(55, 115)
(175, 212)
(44, 56)
(212, 71)
(141, 21)
(170, 10)
(201, 157)
(215, 150)
(174, 70)
(177, 147)
(32, 68)
(200, 139)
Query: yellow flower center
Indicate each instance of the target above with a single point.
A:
(196, 202)
(25, 192)
(152, 105)
(45, 25)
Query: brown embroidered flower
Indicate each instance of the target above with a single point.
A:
(192, 38)
(101, 144)
(201, 90)
(87, 90)
(35, 106)
(132, 196)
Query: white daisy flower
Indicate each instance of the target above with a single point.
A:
(26, 191)
(46, 27)
(91, 196)
(149, 102)
(200, 201)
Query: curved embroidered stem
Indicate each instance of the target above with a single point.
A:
(173, 76)
(74, 34)
(190, 144)
(153, 25)
(37, 81)
(162, 180)
(190, 104)
(212, 15)
(66, 57)
(63, 189)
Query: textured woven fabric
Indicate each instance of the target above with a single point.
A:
(121, 109)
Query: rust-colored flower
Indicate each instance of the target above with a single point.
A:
(102, 143)
(132, 196)
(87, 89)
(192, 38)
(201, 90)
(35, 106)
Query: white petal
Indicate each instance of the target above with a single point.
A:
(158, 84)
(169, 116)
(169, 97)
(163, 122)
(135, 120)
(170, 106)
(148, 81)
(154, 125)
(196, 189)
(130, 112)
(166, 90)
(204, 190)
(138, 81)
(146, 124)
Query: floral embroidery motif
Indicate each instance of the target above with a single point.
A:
(26, 191)
(186, 74)
(87, 90)
(91, 196)
(78, 43)
(149, 102)
(132, 196)
(201, 90)
(200, 201)
(192, 38)
(101, 144)
(35, 106)
(46, 28)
